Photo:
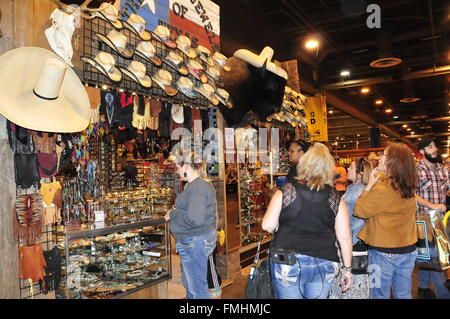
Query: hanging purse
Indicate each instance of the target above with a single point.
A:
(27, 219)
(26, 170)
(433, 245)
(259, 283)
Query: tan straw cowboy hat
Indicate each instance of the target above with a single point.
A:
(41, 92)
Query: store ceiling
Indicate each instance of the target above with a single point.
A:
(420, 38)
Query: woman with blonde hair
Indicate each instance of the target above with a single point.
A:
(306, 218)
(389, 206)
(193, 223)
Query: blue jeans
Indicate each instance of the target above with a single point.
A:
(194, 252)
(388, 271)
(309, 278)
(437, 278)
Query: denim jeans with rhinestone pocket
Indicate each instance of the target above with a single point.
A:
(309, 278)
(194, 252)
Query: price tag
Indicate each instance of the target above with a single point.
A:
(151, 253)
(99, 216)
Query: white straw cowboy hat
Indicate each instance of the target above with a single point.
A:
(186, 87)
(105, 63)
(184, 44)
(196, 70)
(41, 92)
(177, 113)
(162, 34)
(204, 53)
(213, 73)
(224, 97)
(147, 51)
(219, 60)
(258, 60)
(175, 61)
(118, 42)
(136, 24)
(136, 71)
(163, 79)
(108, 13)
(208, 91)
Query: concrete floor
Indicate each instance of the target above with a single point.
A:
(237, 289)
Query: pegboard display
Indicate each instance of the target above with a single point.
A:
(92, 45)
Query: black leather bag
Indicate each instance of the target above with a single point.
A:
(26, 170)
(53, 269)
(259, 283)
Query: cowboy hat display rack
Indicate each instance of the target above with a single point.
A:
(93, 76)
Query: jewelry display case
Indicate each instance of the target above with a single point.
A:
(114, 260)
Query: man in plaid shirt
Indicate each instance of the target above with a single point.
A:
(433, 183)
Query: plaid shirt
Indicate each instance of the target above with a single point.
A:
(432, 184)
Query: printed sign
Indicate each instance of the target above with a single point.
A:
(199, 20)
(316, 113)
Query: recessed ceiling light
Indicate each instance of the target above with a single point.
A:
(412, 133)
(311, 44)
(388, 110)
(404, 125)
(420, 138)
(378, 102)
(330, 112)
(345, 73)
(408, 129)
(365, 90)
(395, 117)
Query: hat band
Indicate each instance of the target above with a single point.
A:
(44, 97)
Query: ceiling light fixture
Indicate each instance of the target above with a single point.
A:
(404, 126)
(408, 129)
(412, 133)
(395, 117)
(388, 110)
(312, 44)
(365, 90)
(345, 73)
(378, 102)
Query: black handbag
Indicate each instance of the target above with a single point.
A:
(53, 269)
(259, 283)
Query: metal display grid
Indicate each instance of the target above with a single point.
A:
(92, 45)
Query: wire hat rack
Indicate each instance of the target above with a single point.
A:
(92, 45)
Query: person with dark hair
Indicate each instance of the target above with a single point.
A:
(296, 151)
(432, 186)
(193, 223)
(388, 204)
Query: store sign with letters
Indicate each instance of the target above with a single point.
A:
(199, 20)
(316, 113)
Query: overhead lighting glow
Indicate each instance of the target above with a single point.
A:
(404, 126)
(408, 129)
(388, 110)
(395, 117)
(312, 44)
(412, 133)
(345, 73)
(330, 111)
(365, 90)
(378, 102)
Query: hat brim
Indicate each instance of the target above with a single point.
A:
(212, 62)
(187, 92)
(180, 69)
(169, 43)
(116, 24)
(145, 82)
(70, 112)
(201, 75)
(169, 90)
(144, 35)
(154, 59)
(115, 76)
(190, 53)
(213, 99)
(124, 53)
(178, 117)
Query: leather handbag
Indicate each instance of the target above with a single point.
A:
(259, 283)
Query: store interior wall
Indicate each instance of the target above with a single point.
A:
(9, 259)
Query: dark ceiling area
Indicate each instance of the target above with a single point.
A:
(415, 32)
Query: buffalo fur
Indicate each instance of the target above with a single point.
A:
(251, 89)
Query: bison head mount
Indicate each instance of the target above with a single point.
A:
(254, 84)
